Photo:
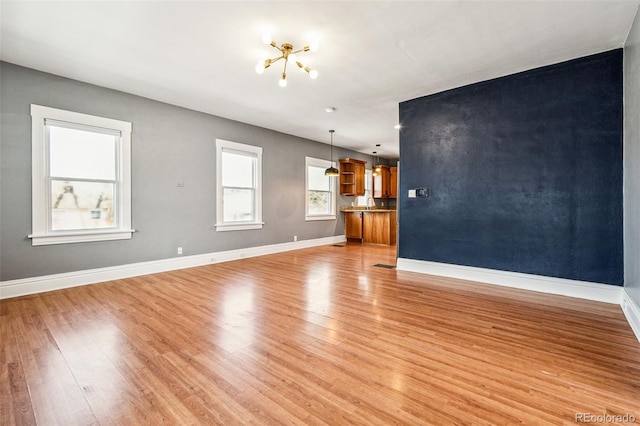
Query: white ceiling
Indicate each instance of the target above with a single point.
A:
(373, 54)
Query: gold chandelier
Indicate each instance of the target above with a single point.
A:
(287, 53)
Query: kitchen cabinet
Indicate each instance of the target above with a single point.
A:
(353, 225)
(393, 190)
(379, 227)
(371, 226)
(352, 176)
(382, 182)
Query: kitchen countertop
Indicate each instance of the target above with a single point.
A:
(348, 209)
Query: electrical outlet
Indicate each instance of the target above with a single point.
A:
(295, 238)
(180, 250)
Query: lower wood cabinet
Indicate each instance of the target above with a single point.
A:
(379, 227)
(375, 227)
(353, 225)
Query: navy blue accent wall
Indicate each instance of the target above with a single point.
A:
(524, 172)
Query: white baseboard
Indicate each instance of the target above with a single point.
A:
(632, 312)
(25, 286)
(580, 289)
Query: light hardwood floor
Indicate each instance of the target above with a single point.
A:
(313, 336)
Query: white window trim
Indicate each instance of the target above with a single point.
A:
(325, 164)
(238, 226)
(40, 194)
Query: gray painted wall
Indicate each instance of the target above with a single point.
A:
(632, 162)
(170, 144)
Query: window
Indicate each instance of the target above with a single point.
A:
(320, 194)
(81, 177)
(239, 186)
(363, 200)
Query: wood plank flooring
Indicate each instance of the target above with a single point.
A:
(315, 336)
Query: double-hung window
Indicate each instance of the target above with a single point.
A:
(239, 186)
(320, 190)
(81, 177)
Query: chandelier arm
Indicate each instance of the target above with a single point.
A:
(273, 44)
(274, 60)
(304, 49)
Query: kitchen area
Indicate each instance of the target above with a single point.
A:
(372, 217)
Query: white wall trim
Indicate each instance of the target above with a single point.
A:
(25, 286)
(580, 289)
(632, 312)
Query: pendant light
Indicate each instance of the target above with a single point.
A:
(332, 171)
(376, 168)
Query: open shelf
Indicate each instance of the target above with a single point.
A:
(351, 176)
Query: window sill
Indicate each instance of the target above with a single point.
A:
(323, 217)
(238, 226)
(80, 237)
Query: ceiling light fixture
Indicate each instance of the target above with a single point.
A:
(376, 169)
(287, 53)
(332, 171)
(378, 165)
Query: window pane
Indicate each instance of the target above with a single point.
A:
(238, 205)
(319, 202)
(317, 180)
(237, 170)
(82, 205)
(81, 154)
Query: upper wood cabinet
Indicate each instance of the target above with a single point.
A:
(393, 190)
(351, 176)
(385, 182)
(381, 181)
